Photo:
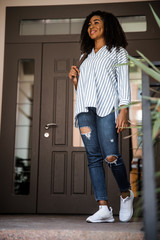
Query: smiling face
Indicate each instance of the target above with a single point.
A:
(96, 28)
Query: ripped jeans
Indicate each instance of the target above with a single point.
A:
(101, 141)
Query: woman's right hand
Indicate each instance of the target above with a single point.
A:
(73, 75)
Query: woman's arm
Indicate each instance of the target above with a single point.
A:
(124, 94)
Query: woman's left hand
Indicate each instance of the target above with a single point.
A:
(122, 120)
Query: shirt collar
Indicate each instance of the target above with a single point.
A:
(99, 51)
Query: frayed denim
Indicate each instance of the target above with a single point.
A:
(101, 141)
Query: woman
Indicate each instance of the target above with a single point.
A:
(102, 87)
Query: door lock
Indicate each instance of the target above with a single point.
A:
(46, 135)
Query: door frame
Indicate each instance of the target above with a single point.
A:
(15, 14)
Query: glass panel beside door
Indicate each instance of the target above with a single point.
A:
(22, 163)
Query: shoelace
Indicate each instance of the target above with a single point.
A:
(124, 206)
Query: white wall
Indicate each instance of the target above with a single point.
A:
(7, 3)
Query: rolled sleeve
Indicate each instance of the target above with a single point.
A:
(124, 93)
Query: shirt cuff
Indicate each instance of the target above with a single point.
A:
(124, 102)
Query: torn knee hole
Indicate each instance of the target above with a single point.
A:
(111, 158)
(85, 130)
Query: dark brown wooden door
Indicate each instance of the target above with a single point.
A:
(52, 177)
(19, 142)
(64, 185)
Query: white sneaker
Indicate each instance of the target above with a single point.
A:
(104, 214)
(126, 208)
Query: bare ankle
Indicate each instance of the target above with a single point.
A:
(103, 202)
(125, 194)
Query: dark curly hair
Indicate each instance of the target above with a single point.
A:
(113, 32)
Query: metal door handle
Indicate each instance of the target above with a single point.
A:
(48, 125)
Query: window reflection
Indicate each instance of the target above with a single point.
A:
(135, 112)
(77, 140)
(57, 26)
(32, 27)
(135, 115)
(74, 25)
(23, 127)
(133, 23)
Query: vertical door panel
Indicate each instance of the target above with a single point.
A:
(61, 91)
(20, 130)
(78, 173)
(59, 164)
(64, 184)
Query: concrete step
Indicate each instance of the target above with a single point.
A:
(66, 227)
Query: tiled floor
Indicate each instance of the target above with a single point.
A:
(66, 227)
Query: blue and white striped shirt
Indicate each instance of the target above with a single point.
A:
(102, 84)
